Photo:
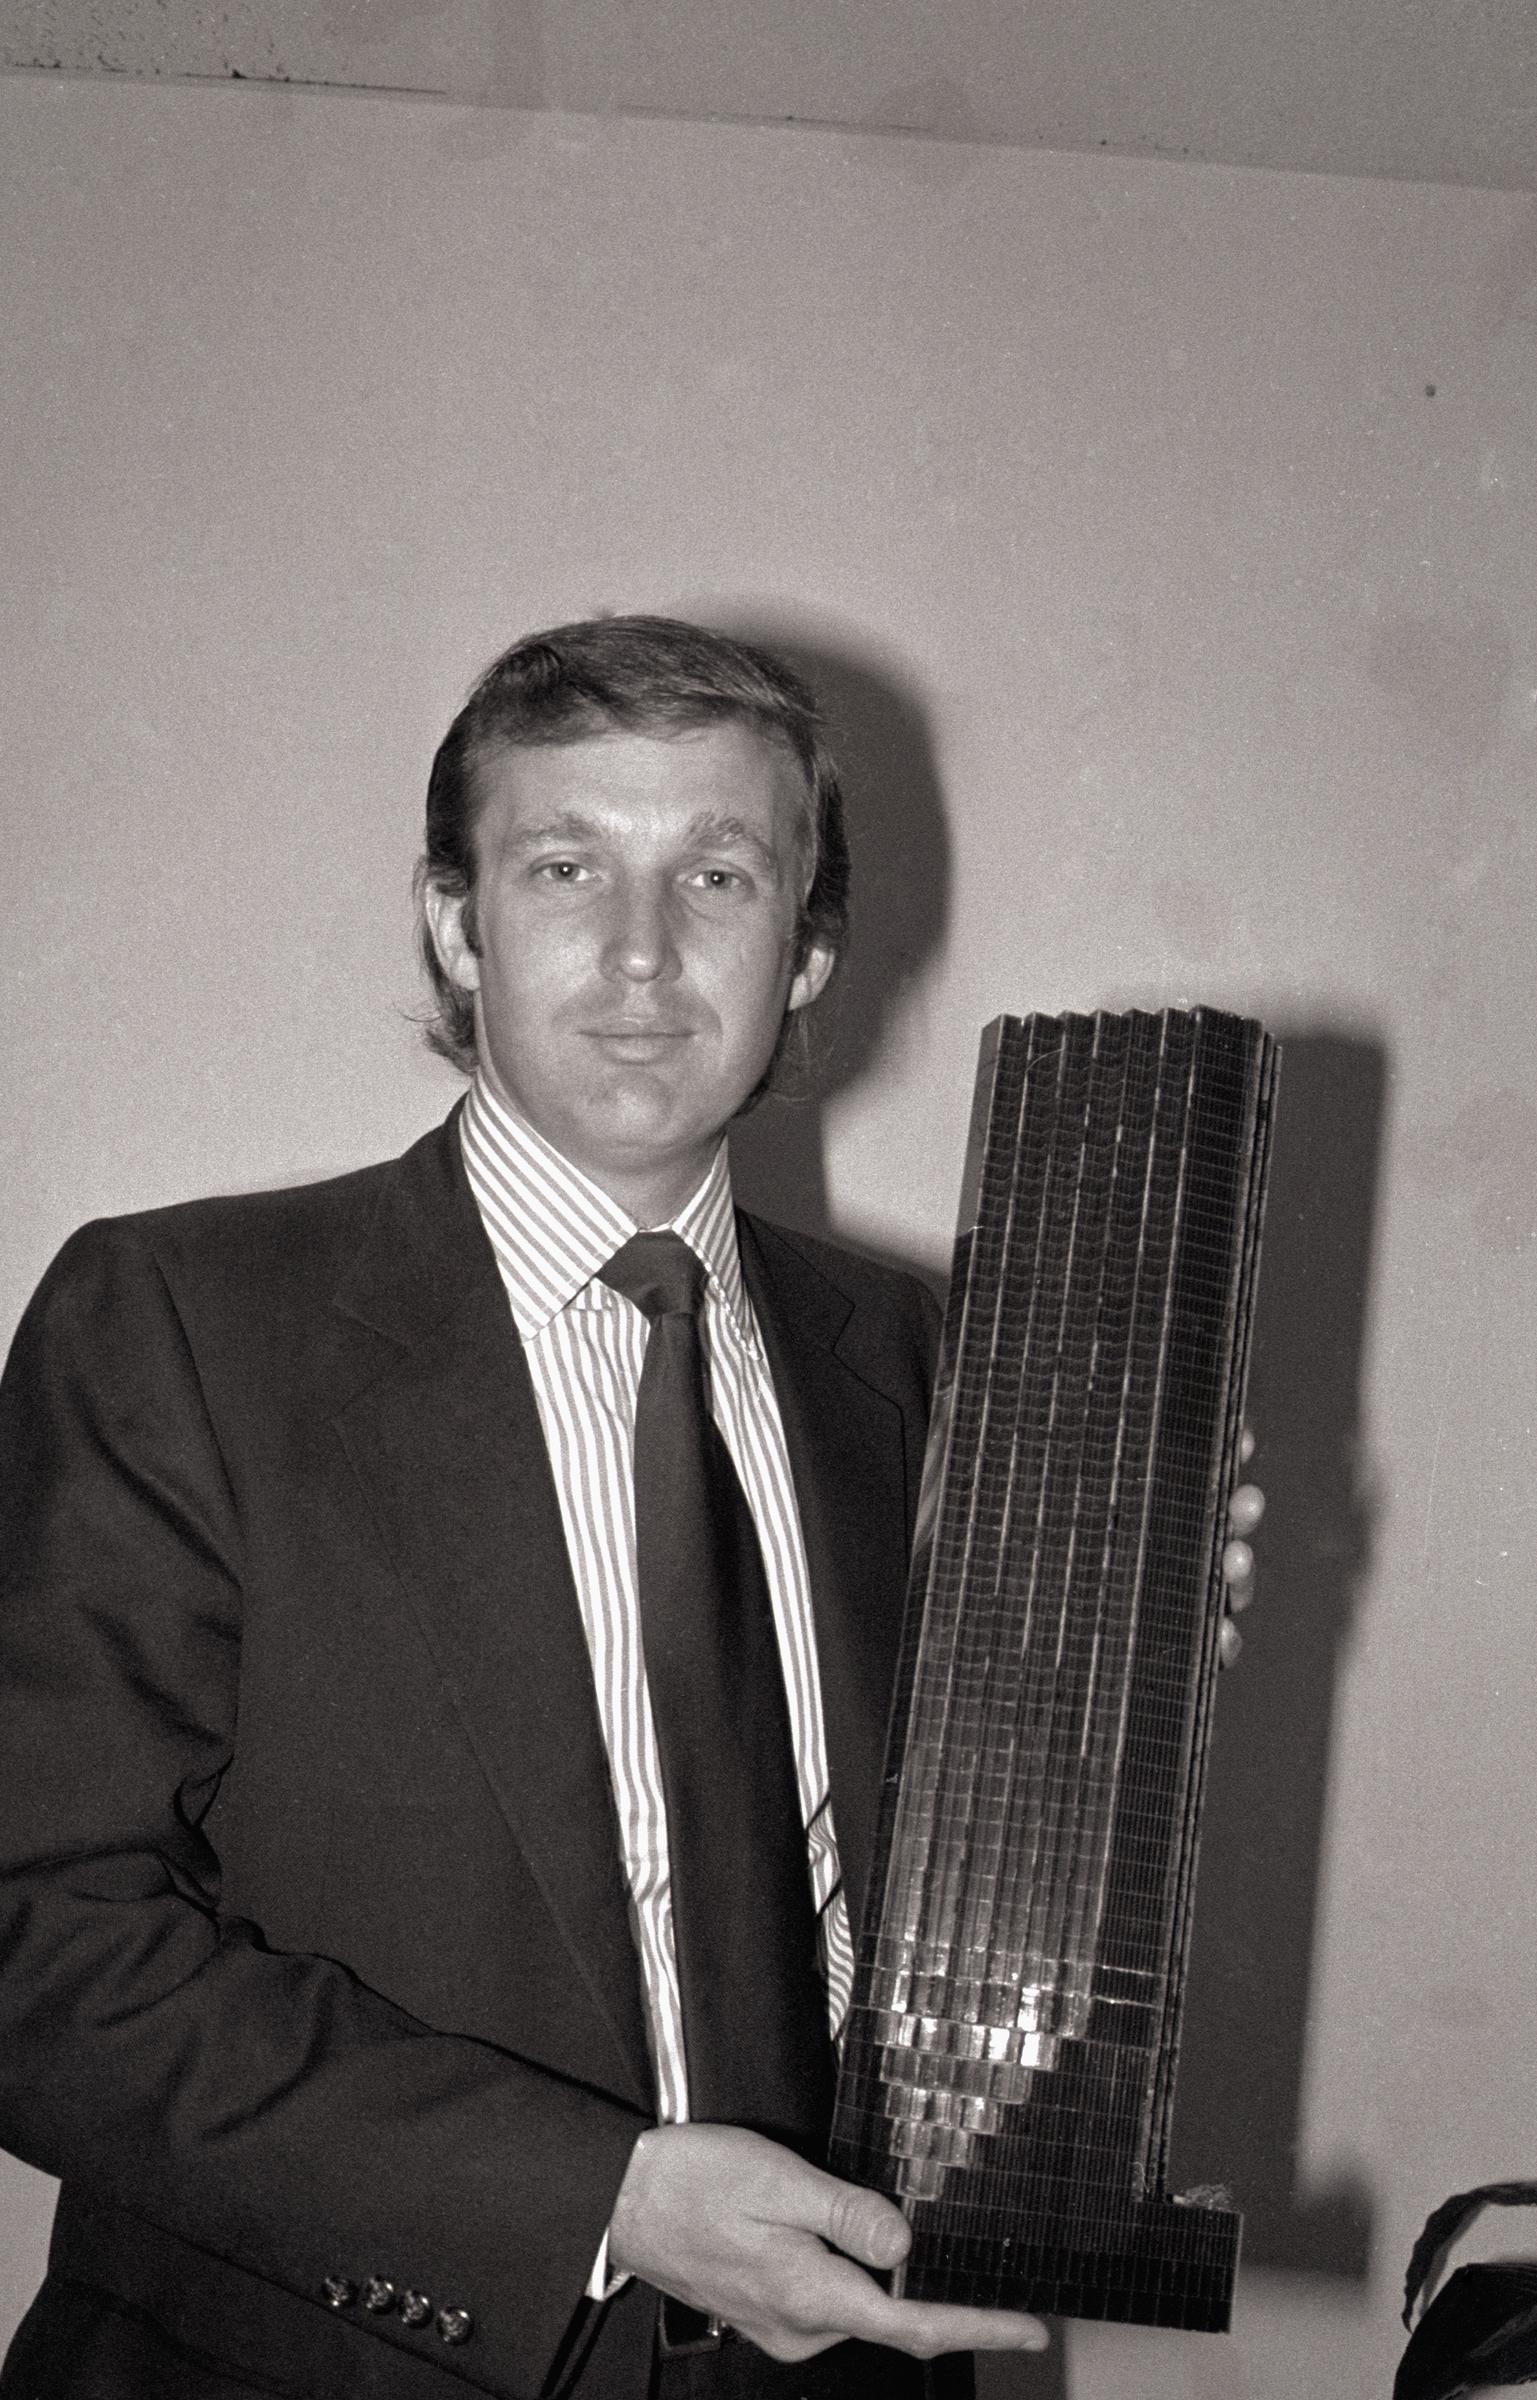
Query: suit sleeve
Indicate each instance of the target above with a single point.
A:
(265, 2106)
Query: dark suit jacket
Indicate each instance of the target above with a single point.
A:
(316, 1959)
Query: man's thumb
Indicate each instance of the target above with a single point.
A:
(869, 2228)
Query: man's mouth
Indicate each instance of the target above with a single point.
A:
(639, 1042)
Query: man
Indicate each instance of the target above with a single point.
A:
(360, 1849)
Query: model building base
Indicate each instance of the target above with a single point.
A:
(1166, 2263)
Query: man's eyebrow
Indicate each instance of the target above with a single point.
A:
(569, 826)
(718, 829)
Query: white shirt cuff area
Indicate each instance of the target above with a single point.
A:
(601, 2285)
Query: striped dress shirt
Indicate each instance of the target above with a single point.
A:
(551, 1229)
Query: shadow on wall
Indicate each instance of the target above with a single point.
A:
(900, 848)
(1238, 2110)
(1021, 2375)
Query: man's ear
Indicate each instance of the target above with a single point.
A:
(445, 912)
(810, 980)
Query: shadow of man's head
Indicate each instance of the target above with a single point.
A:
(900, 854)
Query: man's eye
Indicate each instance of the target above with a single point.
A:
(719, 879)
(560, 870)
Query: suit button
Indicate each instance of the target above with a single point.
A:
(455, 2325)
(339, 2292)
(379, 2294)
(415, 2308)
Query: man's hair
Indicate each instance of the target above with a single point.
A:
(633, 674)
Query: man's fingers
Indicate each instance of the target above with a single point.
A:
(979, 2329)
(929, 2332)
(1244, 1512)
(925, 2329)
(865, 2226)
(1246, 1508)
(1237, 1573)
(836, 2301)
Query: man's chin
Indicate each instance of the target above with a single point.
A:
(636, 1132)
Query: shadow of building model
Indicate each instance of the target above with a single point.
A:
(1241, 2078)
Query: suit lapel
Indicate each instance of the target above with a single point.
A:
(441, 1428)
(845, 1438)
(447, 1444)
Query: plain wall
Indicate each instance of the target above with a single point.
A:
(1163, 537)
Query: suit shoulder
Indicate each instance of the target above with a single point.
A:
(294, 1237)
(891, 1293)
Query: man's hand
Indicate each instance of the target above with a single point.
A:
(735, 2226)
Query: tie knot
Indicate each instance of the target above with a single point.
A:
(660, 1273)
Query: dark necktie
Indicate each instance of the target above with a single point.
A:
(754, 2014)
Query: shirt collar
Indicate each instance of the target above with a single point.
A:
(551, 1227)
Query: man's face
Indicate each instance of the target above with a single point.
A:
(636, 907)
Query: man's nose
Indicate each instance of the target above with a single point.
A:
(641, 944)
